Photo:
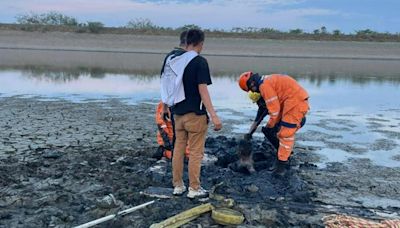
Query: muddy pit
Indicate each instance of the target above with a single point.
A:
(55, 167)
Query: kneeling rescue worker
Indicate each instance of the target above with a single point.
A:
(287, 105)
(165, 135)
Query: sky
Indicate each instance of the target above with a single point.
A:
(346, 15)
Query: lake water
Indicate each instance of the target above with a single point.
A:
(352, 112)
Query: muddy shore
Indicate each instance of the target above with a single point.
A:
(59, 159)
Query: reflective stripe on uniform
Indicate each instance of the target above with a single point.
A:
(286, 147)
(274, 113)
(266, 77)
(289, 139)
(271, 99)
(163, 126)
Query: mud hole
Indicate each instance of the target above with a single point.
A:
(58, 160)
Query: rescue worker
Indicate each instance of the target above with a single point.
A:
(165, 135)
(287, 105)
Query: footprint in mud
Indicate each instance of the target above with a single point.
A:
(396, 157)
(348, 115)
(389, 134)
(375, 125)
(346, 147)
(339, 124)
(372, 119)
(312, 135)
(383, 144)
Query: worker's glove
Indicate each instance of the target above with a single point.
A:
(167, 143)
(247, 136)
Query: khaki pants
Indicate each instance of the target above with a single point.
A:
(190, 131)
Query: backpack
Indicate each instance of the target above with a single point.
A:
(172, 90)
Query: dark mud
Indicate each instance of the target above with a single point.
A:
(58, 160)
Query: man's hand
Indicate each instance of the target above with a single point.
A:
(217, 123)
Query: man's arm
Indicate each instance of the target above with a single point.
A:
(261, 113)
(205, 98)
(272, 103)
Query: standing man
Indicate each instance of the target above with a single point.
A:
(190, 115)
(163, 113)
(287, 104)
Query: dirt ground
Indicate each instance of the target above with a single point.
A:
(60, 159)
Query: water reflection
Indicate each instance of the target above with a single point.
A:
(67, 75)
(328, 92)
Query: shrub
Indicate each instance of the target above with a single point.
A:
(189, 26)
(95, 26)
(50, 18)
(141, 23)
(296, 31)
(337, 32)
(269, 30)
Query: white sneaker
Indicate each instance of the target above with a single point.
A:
(200, 193)
(179, 190)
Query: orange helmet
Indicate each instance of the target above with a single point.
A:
(244, 77)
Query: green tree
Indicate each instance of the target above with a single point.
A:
(337, 32)
(141, 23)
(366, 32)
(95, 26)
(50, 18)
(237, 29)
(269, 30)
(323, 30)
(296, 31)
(189, 26)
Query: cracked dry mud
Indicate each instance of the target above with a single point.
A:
(58, 159)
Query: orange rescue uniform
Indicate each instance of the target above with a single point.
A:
(287, 104)
(165, 127)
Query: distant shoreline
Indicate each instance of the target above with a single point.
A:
(143, 54)
(273, 34)
(216, 55)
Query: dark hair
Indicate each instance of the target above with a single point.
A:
(183, 38)
(194, 37)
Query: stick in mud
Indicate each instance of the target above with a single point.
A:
(109, 217)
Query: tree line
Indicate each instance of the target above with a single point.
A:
(54, 21)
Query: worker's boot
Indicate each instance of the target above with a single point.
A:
(273, 166)
(282, 167)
